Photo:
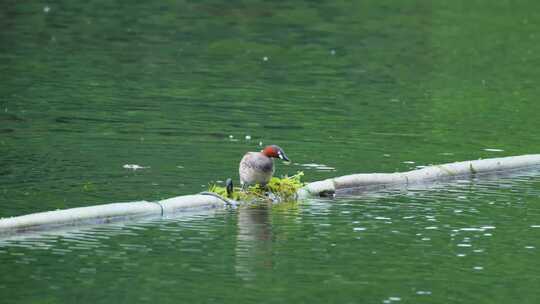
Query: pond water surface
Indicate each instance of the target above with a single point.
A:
(103, 101)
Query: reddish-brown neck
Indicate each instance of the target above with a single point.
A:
(270, 151)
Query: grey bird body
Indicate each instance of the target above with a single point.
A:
(256, 168)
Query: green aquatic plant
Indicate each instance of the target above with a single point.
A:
(221, 191)
(285, 188)
(277, 190)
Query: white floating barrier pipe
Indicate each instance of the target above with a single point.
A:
(122, 211)
(420, 176)
(106, 213)
(83, 215)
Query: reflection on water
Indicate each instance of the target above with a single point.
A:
(254, 241)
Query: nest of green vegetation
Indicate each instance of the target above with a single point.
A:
(277, 190)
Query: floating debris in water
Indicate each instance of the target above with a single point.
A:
(410, 162)
(318, 167)
(134, 167)
(248, 137)
(332, 52)
(493, 150)
(392, 299)
(265, 58)
(260, 144)
(180, 167)
(46, 9)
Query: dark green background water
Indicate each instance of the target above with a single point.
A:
(343, 86)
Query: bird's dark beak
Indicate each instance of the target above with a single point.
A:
(283, 156)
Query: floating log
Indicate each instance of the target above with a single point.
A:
(123, 211)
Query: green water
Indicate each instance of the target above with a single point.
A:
(344, 87)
